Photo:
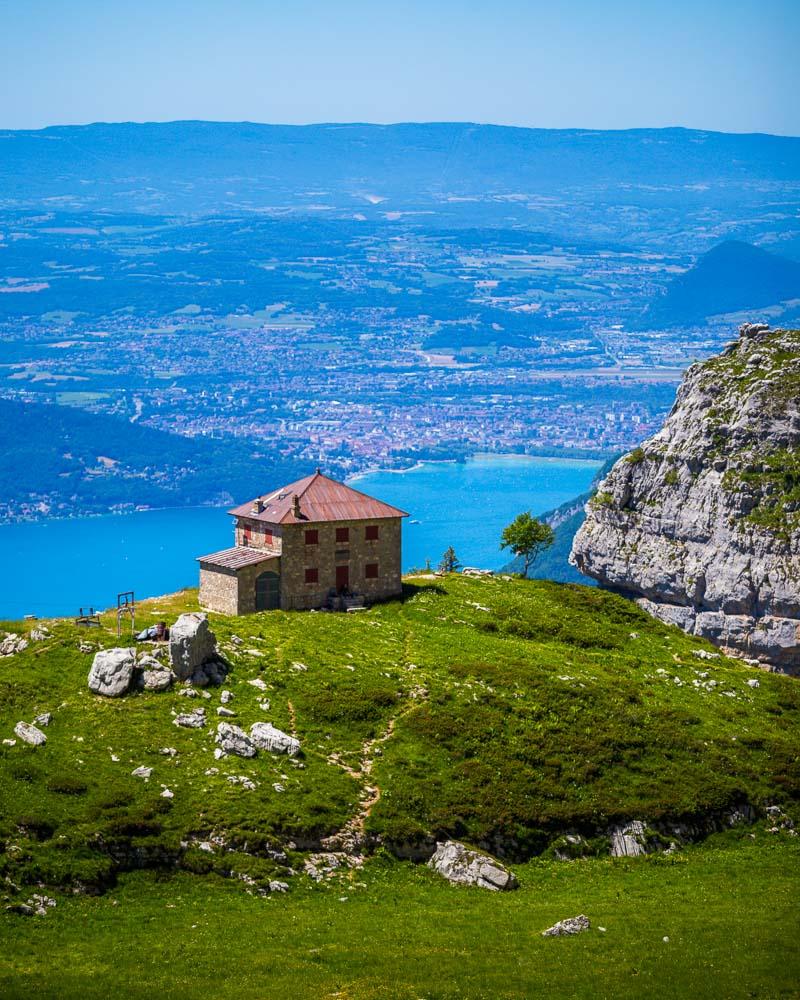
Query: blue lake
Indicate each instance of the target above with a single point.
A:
(52, 568)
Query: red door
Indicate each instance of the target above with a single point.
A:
(342, 578)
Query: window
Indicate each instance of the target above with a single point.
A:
(268, 536)
(371, 532)
(312, 575)
(312, 536)
(371, 571)
(342, 534)
(246, 535)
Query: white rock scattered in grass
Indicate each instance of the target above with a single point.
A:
(458, 863)
(226, 712)
(301, 667)
(572, 925)
(167, 794)
(168, 751)
(233, 739)
(193, 720)
(30, 734)
(44, 719)
(256, 682)
(266, 737)
(226, 696)
(243, 780)
(754, 682)
(12, 644)
(279, 787)
(114, 758)
(9, 743)
(142, 772)
(219, 754)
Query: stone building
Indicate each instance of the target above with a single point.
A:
(311, 544)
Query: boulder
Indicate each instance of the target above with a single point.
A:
(234, 740)
(458, 863)
(112, 672)
(191, 644)
(572, 925)
(266, 737)
(30, 734)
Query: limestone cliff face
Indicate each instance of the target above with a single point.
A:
(701, 524)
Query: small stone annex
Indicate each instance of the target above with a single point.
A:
(312, 544)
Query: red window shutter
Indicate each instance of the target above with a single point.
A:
(312, 536)
(268, 536)
(247, 533)
(371, 571)
(371, 532)
(312, 575)
(342, 534)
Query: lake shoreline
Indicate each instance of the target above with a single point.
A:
(155, 551)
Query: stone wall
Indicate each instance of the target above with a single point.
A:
(233, 592)
(219, 590)
(327, 554)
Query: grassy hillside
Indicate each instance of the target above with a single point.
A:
(499, 711)
(505, 712)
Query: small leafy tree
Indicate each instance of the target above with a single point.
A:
(449, 562)
(527, 537)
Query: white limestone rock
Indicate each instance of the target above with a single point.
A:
(628, 840)
(266, 737)
(12, 643)
(191, 644)
(458, 863)
(572, 925)
(30, 734)
(112, 672)
(232, 739)
(699, 523)
(191, 720)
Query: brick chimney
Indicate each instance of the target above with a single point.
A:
(258, 505)
(296, 506)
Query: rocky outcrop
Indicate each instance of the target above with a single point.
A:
(701, 524)
(457, 863)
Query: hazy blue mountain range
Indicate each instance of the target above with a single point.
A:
(731, 277)
(204, 167)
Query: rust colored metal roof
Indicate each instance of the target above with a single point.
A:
(237, 557)
(319, 499)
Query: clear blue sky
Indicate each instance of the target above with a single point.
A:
(731, 65)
